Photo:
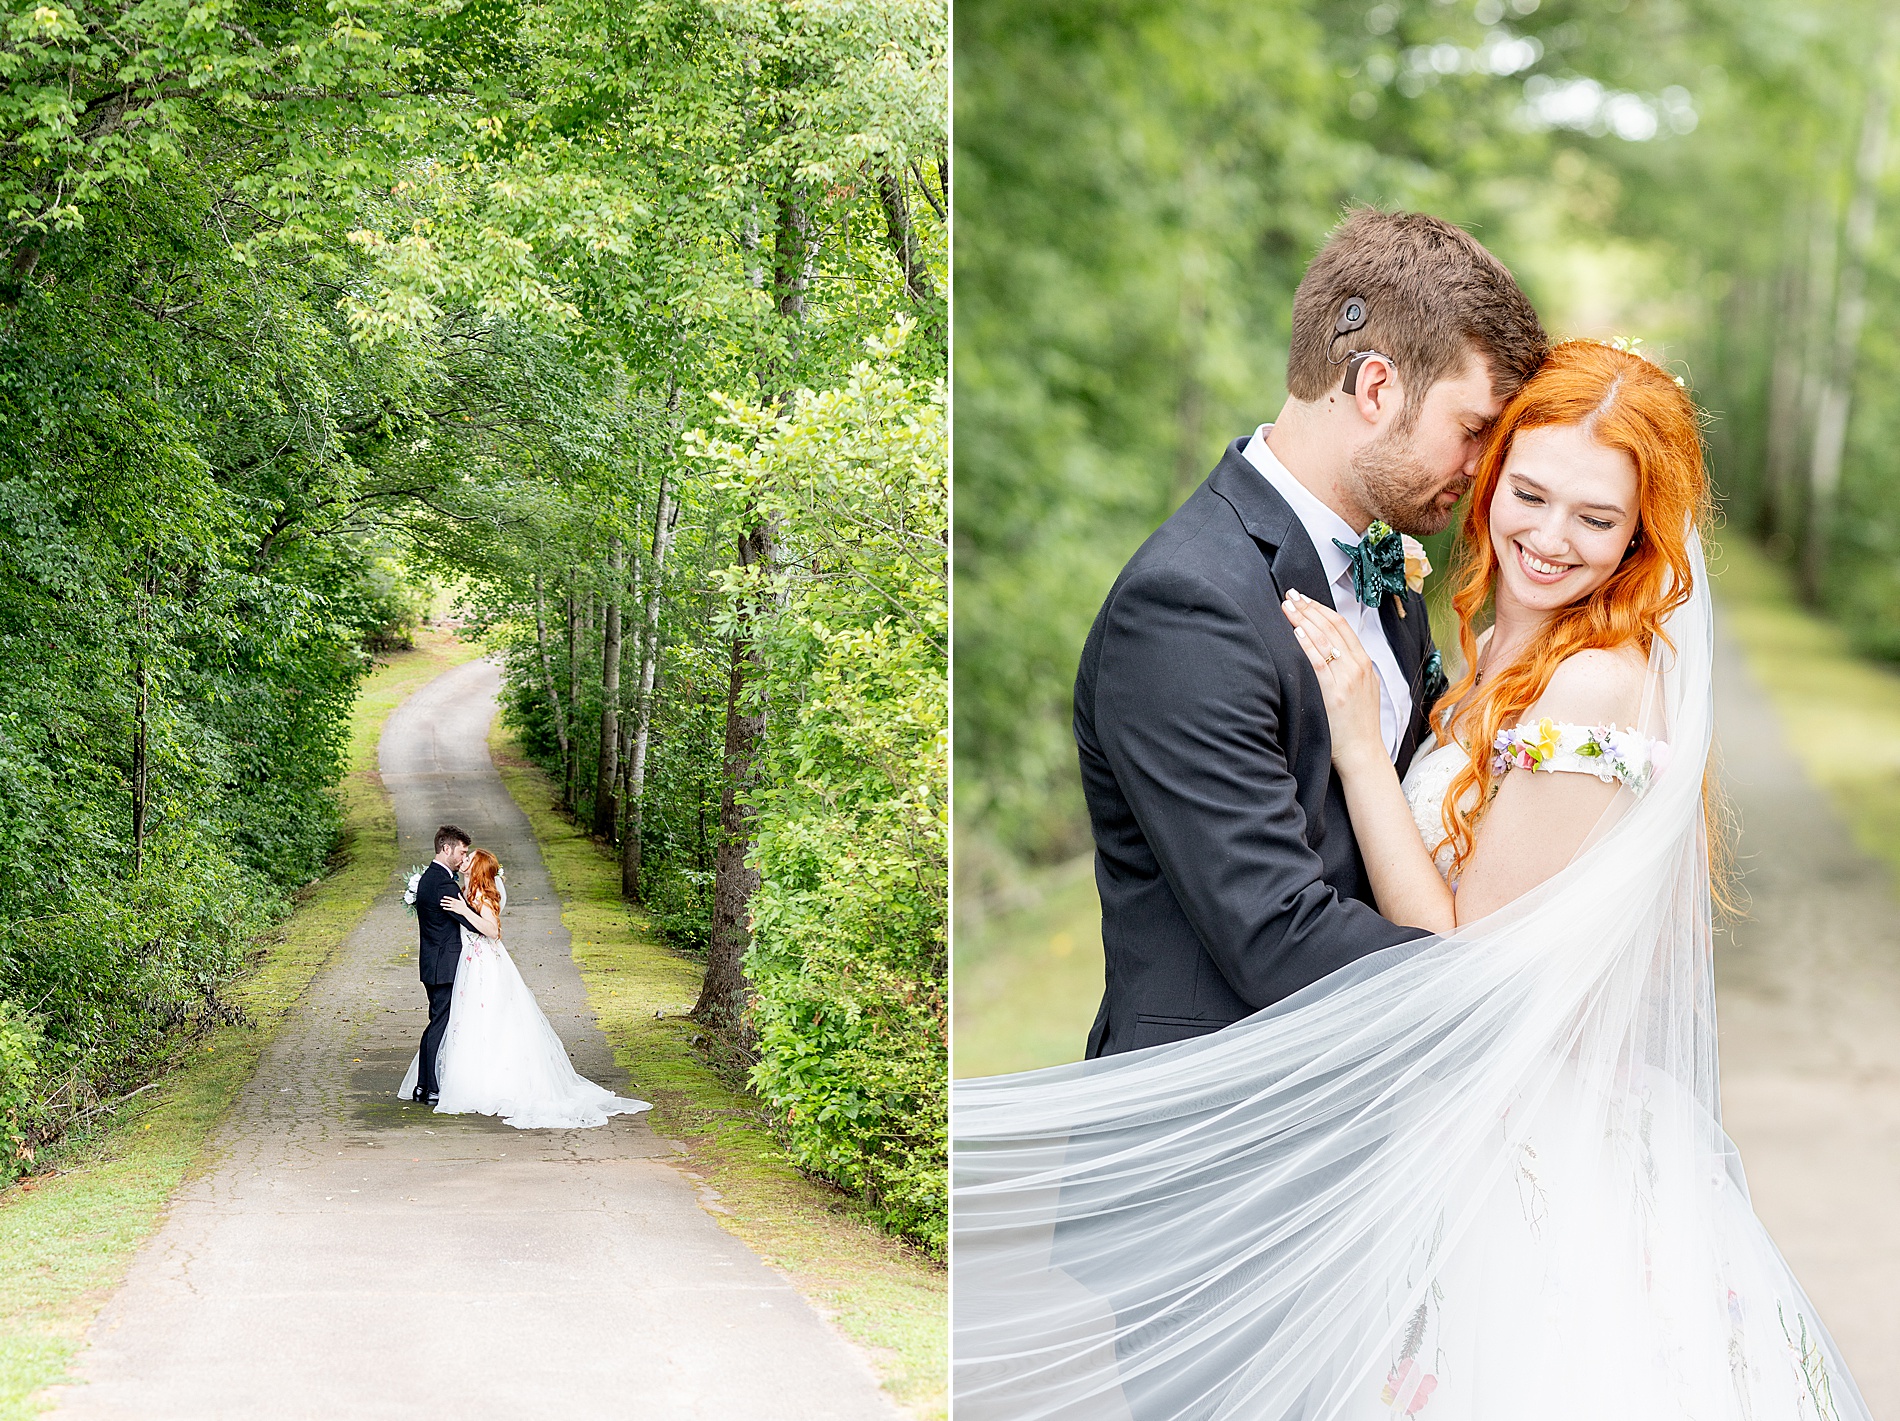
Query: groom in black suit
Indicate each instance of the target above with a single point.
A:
(441, 948)
(1225, 858)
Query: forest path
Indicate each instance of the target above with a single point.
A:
(348, 1254)
(1808, 994)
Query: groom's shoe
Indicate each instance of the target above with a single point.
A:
(433, 1100)
(416, 1095)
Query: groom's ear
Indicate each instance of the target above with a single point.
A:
(1376, 392)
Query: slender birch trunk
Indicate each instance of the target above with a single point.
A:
(609, 697)
(665, 515)
(1850, 314)
(568, 776)
(547, 670)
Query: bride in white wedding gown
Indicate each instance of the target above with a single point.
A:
(1480, 1176)
(499, 1055)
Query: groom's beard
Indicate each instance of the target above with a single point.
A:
(1396, 485)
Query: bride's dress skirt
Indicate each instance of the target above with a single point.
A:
(501, 1057)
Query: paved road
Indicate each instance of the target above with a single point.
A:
(352, 1256)
(1809, 999)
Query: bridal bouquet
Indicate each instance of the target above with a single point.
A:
(409, 893)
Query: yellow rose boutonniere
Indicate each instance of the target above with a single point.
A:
(1418, 567)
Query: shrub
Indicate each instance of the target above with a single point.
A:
(849, 955)
(19, 1067)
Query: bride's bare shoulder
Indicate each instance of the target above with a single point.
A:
(1598, 686)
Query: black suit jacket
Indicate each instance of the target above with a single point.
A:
(441, 930)
(1225, 859)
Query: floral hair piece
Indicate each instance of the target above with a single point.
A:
(1633, 345)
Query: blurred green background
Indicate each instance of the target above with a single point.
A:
(1139, 188)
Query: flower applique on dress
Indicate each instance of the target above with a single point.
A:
(1626, 757)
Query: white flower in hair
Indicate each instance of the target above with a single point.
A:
(1633, 345)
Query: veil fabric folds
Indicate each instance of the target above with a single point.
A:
(1476, 1177)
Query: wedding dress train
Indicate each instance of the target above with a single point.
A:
(500, 1056)
(1480, 1177)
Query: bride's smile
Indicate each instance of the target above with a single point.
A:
(1539, 569)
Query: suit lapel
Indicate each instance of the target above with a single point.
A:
(1293, 562)
(1408, 636)
(1272, 524)
(1402, 636)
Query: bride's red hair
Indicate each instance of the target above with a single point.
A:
(1624, 402)
(481, 892)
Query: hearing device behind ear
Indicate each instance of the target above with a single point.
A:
(1354, 360)
(1353, 315)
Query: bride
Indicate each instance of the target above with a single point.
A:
(499, 1055)
(1480, 1176)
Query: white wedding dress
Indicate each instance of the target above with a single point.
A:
(1472, 1178)
(500, 1056)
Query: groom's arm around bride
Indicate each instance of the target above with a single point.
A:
(1225, 859)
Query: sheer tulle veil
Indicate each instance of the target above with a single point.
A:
(1263, 1223)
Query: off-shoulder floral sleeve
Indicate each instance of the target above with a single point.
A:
(1626, 757)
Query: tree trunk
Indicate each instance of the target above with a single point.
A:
(1777, 514)
(904, 245)
(621, 798)
(726, 994)
(609, 698)
(665, 515)
(1850, 313)
(568, 775)
(139, 760)
(547, 672)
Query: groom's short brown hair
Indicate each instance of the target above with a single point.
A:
(1433, 294)
(449, 834)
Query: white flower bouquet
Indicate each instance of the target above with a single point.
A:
(409, 893)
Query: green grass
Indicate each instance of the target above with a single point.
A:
(67, 1233)
(1028, 982)
(886, 1296)
(1841, 711)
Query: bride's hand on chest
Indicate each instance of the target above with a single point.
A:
(1348, 681)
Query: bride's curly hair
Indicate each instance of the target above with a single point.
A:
(1626, 402)
(483, 868)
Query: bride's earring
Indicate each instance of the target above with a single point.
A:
(1635, 543)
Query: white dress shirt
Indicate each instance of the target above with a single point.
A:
(1322, 526)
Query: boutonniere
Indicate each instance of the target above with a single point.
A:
(1418, 567)
(1382, 562)
(1435, 682)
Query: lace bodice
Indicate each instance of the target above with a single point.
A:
(1612, 755)
(1426, 785)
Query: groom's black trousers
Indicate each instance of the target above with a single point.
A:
(440, 994)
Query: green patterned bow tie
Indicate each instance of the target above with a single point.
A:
(1378, 564)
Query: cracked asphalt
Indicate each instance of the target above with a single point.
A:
(1808, 995)
(350, 1255)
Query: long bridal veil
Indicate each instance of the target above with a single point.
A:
(1478, 1176)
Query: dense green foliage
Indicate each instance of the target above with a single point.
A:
(183, 599)
(301, 306)
(850, 926)
(1141, 185)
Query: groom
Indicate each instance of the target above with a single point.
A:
(1225, 860)
(441, 950)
